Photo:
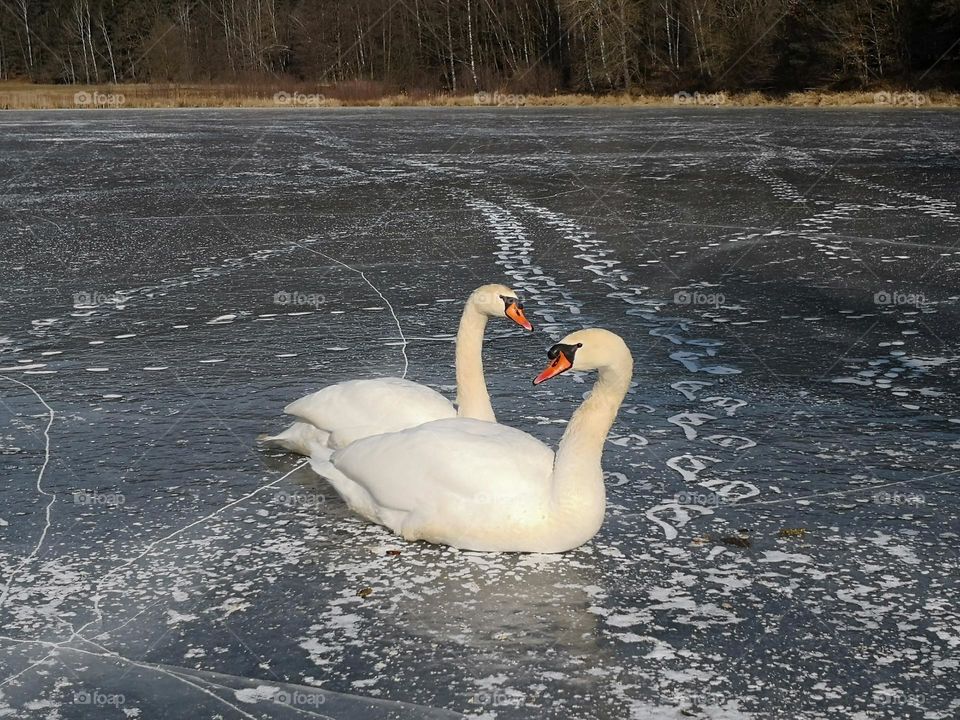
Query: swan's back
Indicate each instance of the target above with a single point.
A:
(455, 461)
(359, 408)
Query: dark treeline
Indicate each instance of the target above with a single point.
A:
(467, 45)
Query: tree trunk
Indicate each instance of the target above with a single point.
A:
(93, 54)
(453, 69)
(106, 40)
(624, 51)
(25, 16)
(473, 65)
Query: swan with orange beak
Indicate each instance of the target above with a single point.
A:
(483, 486)
(342, 413)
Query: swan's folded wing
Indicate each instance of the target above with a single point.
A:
(458, 460)
(359, 408)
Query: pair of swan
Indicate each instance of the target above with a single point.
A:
(467, 481)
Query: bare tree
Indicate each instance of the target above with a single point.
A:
(532, 45)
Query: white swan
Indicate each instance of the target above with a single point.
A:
(342, 413)
(481, 486)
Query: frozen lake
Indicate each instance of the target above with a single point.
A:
(782, 526)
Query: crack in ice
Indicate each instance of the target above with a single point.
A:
(108, 653)
(98, 612)
(96, 602)
(843, 493)
(53, 496)
(170, 672)
(363, 276)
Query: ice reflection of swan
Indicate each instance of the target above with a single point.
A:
(516, 603)
(486, 602)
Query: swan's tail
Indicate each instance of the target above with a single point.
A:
(301, 438)
(321, 465)
(355, 495)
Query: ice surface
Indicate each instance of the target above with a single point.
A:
(101, 686)
(782, 525)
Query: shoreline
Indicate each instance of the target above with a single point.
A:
(26, 96)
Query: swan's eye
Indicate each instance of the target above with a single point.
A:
(553, 352)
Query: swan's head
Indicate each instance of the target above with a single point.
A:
(498, 301)
(591, 349)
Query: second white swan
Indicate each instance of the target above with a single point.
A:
(481, 486)
(340, 414)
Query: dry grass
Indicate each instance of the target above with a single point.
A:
(27, 96)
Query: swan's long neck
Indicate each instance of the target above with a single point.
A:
(473, 401)
(578, 491)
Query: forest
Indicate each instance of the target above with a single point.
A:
(466, 46)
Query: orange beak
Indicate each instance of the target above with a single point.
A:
(560, 364)
(515, 313)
